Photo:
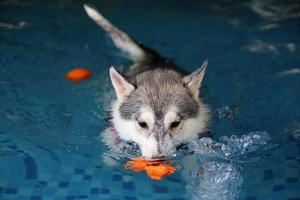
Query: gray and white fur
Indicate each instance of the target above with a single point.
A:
(158, 105)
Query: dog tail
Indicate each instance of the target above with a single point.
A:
(135, 51)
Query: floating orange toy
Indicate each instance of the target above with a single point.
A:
(156, 169)
(78, 74)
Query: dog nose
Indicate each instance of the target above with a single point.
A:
(149, 148)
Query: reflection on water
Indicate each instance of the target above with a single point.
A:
(18, 25)
(296, 130)
(276, 10)
(289, 72)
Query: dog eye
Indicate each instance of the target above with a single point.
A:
(143, 125)
(174, 124)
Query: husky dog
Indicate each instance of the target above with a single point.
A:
(158, 105)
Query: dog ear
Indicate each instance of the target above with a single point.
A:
(122, 87)
(193, 80)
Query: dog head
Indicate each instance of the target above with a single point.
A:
(159, 109)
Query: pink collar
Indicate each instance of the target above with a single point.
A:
(115, 134)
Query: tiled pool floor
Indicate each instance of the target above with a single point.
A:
(49, 127)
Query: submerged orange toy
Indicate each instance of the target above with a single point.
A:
(78, 74)
(156, 169)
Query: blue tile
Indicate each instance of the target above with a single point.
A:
(49, 191)
(70, 198)
(95, 191)
(36, 198)
(63, 184)
(87, 177)
(292, 180)
(105, 191)
(12, 146)
(117, 178)
(129, 198)
(277, 188)
(52, 154)
(290, 157)
(173, 179)
(291, 188)
(292, 165)
(11, 190)
(251, 198)
(78, 171)
(160, 189)
(82, 196)
(268, 174)
(41, 184)
(128, 185)
(30, 167)
(5, 141)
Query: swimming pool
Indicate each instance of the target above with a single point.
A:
(49, 127)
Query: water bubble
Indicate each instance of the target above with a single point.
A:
(216, 175)
(215, 180)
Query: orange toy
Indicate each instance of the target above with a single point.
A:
(156, 169)
(78, 74)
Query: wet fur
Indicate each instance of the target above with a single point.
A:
(157, 91)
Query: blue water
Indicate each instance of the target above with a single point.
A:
(49, 127)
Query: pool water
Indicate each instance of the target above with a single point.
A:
(49, 127)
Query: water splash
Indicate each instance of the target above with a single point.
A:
(214, 168)
(217, 172)
(215, 180)
(232, 146)
(224, 112)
